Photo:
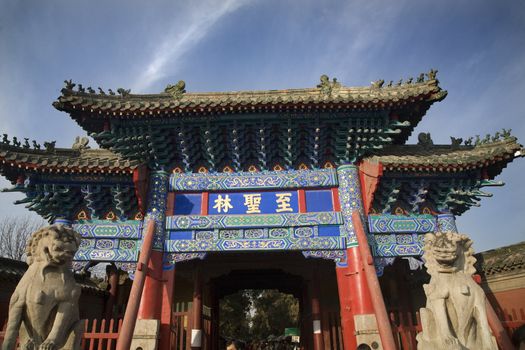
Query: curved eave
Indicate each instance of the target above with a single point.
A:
(91, 109)
(16, 160)
(446, 159)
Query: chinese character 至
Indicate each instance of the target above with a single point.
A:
(283, 202)
(223, 204)
(252, 203)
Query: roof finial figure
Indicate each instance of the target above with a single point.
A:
(69, 85)
(16, 143)
(456, 142)
(123, 92)
(327, 86)
(378, 84)
(177, 90)
(432, 74)
(496, 136)
(80, 143)
(424, 139)
(477, 140)
(50, 146)
(421, 78)
(101, 91)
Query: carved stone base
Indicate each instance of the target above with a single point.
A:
(367, 332)
(73, 341)
(146, 335)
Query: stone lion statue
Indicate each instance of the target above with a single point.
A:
(455, 315)
(44, 305)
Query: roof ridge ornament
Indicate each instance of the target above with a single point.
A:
(455, 142)
(503, 135)
(123, 92)
(68, 87)
(424, 139)
(432, 74)
(16, 143)
(177, 90)
(378, 84)
(80, 143)
(50, 146)
(327, 86)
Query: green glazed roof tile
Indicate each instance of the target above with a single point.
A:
(398, 157)
(346, 97)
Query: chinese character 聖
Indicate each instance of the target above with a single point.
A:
(252, 203)
(283, 202)
(223, 204)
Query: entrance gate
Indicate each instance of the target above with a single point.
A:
(228, 232)
(225, 273)
(254, 172)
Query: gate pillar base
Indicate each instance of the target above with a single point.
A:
(146, 335)
(366, 331)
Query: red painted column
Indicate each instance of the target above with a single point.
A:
(196, 329)
(354, 295)
(345, 308)
(359, 291)
(132, 309)
(168, 281)
(383, 323)
(316, 312)
(150, 303)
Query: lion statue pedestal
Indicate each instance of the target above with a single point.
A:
(45, 302)
(455, 316)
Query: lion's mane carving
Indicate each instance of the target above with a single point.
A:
(45, 302)
(455, 315)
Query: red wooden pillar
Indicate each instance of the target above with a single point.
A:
(354, 295)
(376, 296)
(132, 309)
(196, 329)
(112, 273)
(168, 280)
(316, 312)
(150, 303)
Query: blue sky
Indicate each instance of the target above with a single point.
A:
(477, 46)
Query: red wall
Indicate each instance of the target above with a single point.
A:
(510, 302)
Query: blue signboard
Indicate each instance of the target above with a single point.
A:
(187, 204)
(253, 203)
(319, 200)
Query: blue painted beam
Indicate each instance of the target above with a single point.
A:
(249, 181)
(387, 223)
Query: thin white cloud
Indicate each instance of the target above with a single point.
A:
(182, 38)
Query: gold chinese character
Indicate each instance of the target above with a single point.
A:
(283, 202)
(252, 202)
(223, 204)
